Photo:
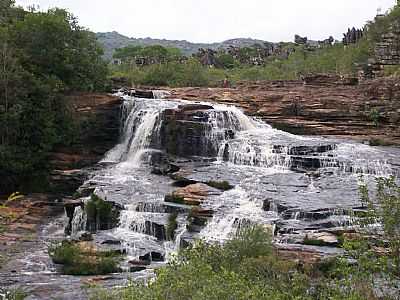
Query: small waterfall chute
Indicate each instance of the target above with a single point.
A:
(78, 223)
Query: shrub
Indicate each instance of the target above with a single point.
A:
(247, 267)
(171, 226)
(174, 199)
(100, 214)
(384, 208)
(221, 185)
(374, 116)
(13, 294)
(79, 261)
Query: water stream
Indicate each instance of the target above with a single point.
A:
(290, 184)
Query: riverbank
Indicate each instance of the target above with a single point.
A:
(22, 220)
(287, 183)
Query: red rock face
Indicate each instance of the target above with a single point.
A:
(320, 107)
(102, 114)
(23, 217)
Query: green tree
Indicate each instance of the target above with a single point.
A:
(54, 44)
(42, 56)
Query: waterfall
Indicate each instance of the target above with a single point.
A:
(230, 117)
(78, 223)
(263, 162)
(141, 119)
(134, 221)
(172, 247)
(233, 210)
(359, 159)
(142, 138)
(243, 151)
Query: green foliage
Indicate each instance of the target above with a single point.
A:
(384, 208)
(226, 61)
(157, 53)
(9, 13)
(336, 59)
(171, 226)
(221, 185)
(174, 199)
(54, 45)
(13, 294)
(248, 267)
(42, 55)
(100, 214)
(374, 116)
(78, 261)
(174, 74)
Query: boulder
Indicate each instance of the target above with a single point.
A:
(86, 236)
(194, 107)
(138, 262)
(137, 269)
(298, 254)
(185, 130)
(152, 256)
(142, 94)
(321, 239)
(193, 194)
(156, 230)
(111, 242)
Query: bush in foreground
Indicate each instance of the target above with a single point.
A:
(248, 267)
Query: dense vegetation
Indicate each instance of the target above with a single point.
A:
(43, 56)
(156, 52)
(335, 59)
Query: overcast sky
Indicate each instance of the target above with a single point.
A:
(218, 20)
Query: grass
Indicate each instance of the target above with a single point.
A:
(77, 260)
(174, 199)
(13, 294)
(379, 142)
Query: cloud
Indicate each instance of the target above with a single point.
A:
(217, 20)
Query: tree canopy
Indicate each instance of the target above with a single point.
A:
(155, 52)
(43, 55)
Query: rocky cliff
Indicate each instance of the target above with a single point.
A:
(369, 111)
(98, 118)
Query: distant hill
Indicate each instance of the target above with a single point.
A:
(113, 40)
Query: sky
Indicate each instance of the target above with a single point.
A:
(219, 20)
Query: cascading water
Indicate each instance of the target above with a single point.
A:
(291, 185)
(78, 223)
(278, 178)
(141, 121)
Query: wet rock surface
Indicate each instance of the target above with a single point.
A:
(231, 172)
